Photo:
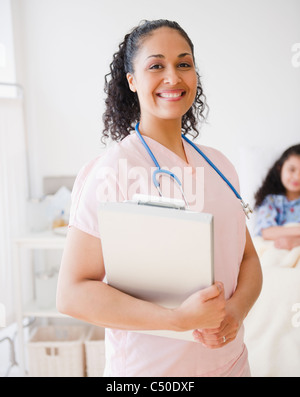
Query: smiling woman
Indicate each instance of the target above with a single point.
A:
(278, 201)
(154, 81)
(165, 83)
(118, 122)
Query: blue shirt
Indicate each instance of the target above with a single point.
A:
(276, 210)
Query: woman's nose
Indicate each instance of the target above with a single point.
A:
(172, 76)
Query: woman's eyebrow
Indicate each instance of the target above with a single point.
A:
(162, 56)
(156, 56)
(184, 54)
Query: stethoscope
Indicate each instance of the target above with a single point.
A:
(246, 207)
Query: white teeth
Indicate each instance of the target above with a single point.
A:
(169, 95)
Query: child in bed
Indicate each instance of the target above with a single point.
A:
(278, 201)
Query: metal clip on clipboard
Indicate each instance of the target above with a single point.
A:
(158, 201)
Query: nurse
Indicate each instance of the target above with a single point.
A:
(153, 81)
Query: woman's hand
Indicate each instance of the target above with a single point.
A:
(203, 309)
(237, 307)
(226, 333)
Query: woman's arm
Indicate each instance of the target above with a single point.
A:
(275, 232)
(82, 294)
(284, 237)
(249, 281)
(237, 307)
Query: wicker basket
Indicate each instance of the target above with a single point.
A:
(95, 352)
(57, 351)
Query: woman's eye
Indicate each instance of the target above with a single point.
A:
(156, 66)
(184, 65)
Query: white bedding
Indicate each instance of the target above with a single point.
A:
(272, 328)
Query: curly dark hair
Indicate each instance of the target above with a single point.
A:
(122, 109)
(272, 183)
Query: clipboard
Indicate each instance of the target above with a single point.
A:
(155, 250)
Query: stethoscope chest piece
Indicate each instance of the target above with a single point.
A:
(156, 183)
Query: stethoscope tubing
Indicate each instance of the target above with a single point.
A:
(246, 207)
(213, 166)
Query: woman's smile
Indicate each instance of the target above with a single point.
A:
(171, 95)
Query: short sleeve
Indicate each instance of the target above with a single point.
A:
(266, 215)
(95, 183)
(83, 205)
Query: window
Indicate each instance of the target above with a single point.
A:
(8, 88)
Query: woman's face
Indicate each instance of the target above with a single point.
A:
(290, 176)
(164, 75)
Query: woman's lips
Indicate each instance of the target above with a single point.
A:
(295, 184)
(171, 95)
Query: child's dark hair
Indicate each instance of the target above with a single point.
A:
(122, 106)
(272, 183)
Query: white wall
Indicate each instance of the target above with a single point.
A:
(243, 49)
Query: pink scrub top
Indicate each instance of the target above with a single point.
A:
(124, 169)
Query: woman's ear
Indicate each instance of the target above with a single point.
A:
(131, 82)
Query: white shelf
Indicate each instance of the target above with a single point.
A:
(45, 240)
(33, 310)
